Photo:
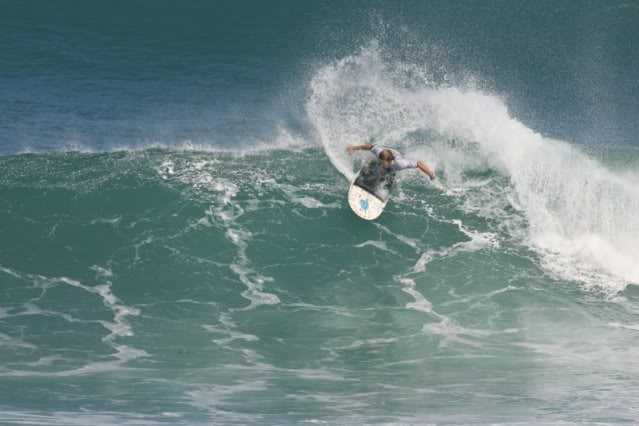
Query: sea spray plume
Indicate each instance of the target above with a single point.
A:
(581, 216)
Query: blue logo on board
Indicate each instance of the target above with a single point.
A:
(363, 204)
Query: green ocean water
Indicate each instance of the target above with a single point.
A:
(176, 245)
(167, 286)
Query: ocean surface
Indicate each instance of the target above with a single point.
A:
(176, 245)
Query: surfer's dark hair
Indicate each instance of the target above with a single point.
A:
(386, 155)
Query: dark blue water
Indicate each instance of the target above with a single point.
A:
(106, 74)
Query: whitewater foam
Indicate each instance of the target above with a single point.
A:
(580, 215)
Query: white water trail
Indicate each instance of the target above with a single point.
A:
(224, 213)
(581, 216)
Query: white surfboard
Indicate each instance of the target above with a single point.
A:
(364, 204)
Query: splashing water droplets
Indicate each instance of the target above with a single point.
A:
(580, 215)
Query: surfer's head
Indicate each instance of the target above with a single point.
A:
(387, 158)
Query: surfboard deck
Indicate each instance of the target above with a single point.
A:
(364, 204)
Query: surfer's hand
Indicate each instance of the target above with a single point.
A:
(350, 148)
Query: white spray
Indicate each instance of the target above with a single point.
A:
(581, 216)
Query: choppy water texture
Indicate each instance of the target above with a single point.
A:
(176, 245)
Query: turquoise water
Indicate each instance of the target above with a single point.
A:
(176, 245)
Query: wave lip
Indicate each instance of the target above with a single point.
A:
(580, 215)
(283, 140)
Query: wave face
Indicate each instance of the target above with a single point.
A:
(175, 240)
(189, 287)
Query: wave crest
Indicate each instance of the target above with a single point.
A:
(580, 215)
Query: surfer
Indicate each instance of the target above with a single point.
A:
(390, 160)
(369, 192)
(378, 176)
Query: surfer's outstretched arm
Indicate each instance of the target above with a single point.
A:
(424, 168)
(365, 147)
